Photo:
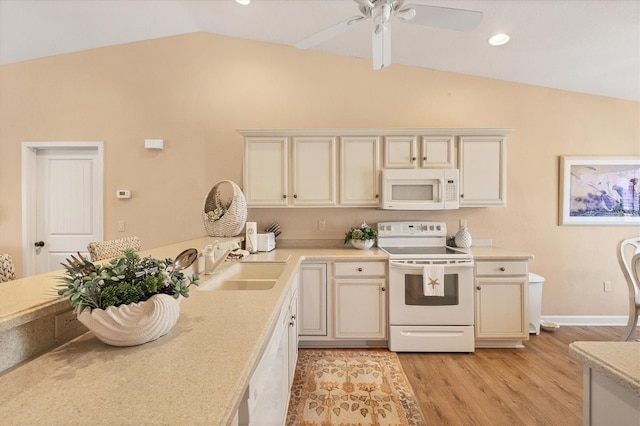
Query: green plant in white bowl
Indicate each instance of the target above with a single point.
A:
(363, 237)
(129, 300)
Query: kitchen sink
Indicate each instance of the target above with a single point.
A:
(245, 276)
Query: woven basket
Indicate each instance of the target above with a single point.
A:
(232, 222)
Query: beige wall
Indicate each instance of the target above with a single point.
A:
(195, 90)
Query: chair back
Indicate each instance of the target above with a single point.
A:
(7, 271)
(628, 258)
(111, 248)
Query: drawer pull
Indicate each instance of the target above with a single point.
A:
(359, 269)
(502, 269)
(478, 288)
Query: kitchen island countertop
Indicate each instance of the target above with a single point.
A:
(196, 374)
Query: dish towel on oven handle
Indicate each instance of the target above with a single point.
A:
(433, 280)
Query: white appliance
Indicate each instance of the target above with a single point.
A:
(420, 189)
(419, 323)
(266, 242)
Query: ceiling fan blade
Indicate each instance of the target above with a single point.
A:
(381, 46)
(330, 32)
(444, 17)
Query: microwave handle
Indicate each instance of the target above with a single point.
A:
(440, 189)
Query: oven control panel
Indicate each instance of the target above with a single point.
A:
(401, 229)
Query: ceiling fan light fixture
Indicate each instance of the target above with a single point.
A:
(406, 14)
(243, 2)
(499, 39)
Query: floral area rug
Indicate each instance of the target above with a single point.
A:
(351, 387)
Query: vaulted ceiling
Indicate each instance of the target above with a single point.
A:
(586, 46)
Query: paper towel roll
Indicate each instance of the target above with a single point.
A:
(251, 239)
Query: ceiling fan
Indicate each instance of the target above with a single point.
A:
(381, 11)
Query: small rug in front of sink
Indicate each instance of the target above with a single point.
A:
(351, 386)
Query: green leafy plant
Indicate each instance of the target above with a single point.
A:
(365, 232)
(124, 280)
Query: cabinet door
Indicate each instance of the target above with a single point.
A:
(501, 308)
(482, 161)
(360, 308)
(400, 152)
(314, 171)
(359, 171)
(265, 172)
(293, 336)
(437, 151)
(312, 299)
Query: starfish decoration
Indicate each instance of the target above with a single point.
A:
(433, 282)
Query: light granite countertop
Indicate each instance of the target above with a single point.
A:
(619, 361)
(196, 374)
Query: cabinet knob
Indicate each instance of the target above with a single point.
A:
(284, 196)
(502, 269)
(295, 195)
(461, 195)
(377, 195)
(39, 244)
(478, 288)
(424, 158)
(359, 269)
(383, 289)
(413, 158)
(291, 324)
(293, 317)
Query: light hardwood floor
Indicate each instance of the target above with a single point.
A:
(540, 384)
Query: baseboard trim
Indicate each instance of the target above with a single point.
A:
(593, 320)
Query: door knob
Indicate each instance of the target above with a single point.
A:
(39, 244)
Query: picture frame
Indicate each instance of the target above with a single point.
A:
(599, 191)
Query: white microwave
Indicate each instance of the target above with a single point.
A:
(420, 189)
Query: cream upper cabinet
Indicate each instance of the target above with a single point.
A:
(437, 151)
(404, 152)
(359, 171)
(269, 181)
(314, 171)
(483, 174)
(266, 170)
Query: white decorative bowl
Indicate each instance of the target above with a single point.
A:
(133, 324)
(362, 244)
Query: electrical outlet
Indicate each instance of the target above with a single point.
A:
(122, 225)
(66, 322)
(322, 225)
(607, 286)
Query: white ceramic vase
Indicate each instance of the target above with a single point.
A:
(463, 238)
(362, 244)
(133, 324)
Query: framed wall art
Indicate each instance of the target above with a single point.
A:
(599, 190)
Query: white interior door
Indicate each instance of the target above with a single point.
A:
(64, 202)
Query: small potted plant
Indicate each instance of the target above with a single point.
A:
(362, 238)
(129, 300)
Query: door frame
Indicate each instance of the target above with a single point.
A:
(29, 175)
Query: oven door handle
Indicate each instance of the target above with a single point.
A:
(420, 266)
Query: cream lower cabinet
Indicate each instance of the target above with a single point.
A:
(312, 299)
(266, 398)
(360, 300)
(501, 289)
(343, 304)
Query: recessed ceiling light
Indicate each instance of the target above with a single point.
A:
(499, 39)
(243, 2)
